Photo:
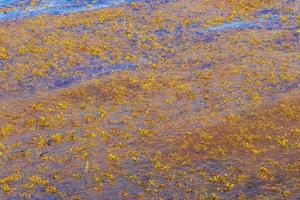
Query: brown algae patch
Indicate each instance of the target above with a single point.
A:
(201, 115)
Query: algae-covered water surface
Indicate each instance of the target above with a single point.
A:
(160, 99)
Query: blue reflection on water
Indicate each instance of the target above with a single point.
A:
(14, 9)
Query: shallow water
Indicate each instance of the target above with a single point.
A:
(98, 68)
(13, 9)
(194, 117)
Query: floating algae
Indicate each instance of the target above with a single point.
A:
(154, 100)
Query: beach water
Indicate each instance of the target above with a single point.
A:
(13, 9)
(159, 99)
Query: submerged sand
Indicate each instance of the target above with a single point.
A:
(178, 99)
